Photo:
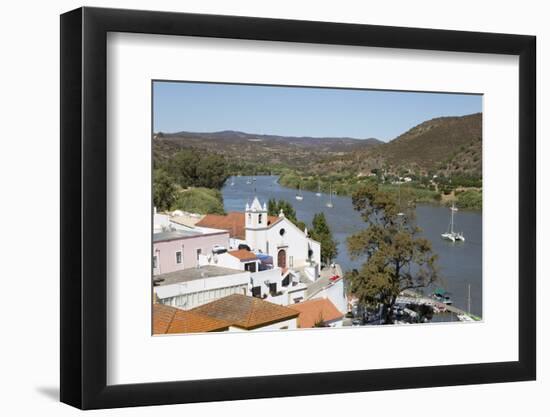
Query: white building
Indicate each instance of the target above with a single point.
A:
(273, 284)
(289, 246)
(177, 220)
(193, 287)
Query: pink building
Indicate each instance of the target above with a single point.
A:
(177, 250)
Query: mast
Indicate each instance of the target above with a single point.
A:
(452, 218)
(469, 299)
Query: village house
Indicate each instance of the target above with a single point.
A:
(181, 249)
(247, 313)
(330, 286)
(192, 287)
(279, 286)
(175, 220)
(171, 320)
(319, 312)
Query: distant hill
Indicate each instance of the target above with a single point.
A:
(273, 150)
(449, 145)
(236, 137)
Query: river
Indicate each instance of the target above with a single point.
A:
(460, 264)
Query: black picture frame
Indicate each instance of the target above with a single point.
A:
(84, 207)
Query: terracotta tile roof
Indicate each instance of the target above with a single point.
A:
(243, 255)
(246, 312)
(234, 222)
(313, 311)
(172, 320)
(271, 220)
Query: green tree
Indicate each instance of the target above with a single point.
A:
(274, 207)
(321, 232)
(183, 167)
(200, 200)
(164, 191)
(396, 258)
(211, 171)
(193, 168)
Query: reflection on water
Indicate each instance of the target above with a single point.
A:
(460, 263)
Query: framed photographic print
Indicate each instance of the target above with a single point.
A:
(257, 208)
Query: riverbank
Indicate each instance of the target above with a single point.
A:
(346, 185)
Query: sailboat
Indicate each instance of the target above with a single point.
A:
(451, 234)
(318, 193)
(299, 196)
(329, 202)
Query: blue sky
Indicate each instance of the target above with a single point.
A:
(298, 111)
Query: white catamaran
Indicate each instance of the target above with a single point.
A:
(451, 234)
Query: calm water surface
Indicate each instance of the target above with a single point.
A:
(460, 263)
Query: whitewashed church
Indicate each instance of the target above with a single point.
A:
(279, 238)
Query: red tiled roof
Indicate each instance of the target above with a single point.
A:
(172, 320)
(234, 222)
(246, 312)
(315, 311)
(243, 255)
(271, 220)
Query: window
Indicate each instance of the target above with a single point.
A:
(250, 266)
(282, 232)
(199, 251)
(286, 281)
(155, 261)
(178, 257)
(291, 261)
(260, 218)
(257, 292)
(267, 247)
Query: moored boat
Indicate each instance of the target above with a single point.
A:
(451, 234)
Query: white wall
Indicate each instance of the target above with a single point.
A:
(296, 241)
(197, 292)
(29, 169)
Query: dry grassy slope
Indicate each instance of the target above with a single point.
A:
(434, 140)
(449, 145)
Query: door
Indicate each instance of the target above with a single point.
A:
(281, 259)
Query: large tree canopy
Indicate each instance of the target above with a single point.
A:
(397, 259)
(193, 168)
